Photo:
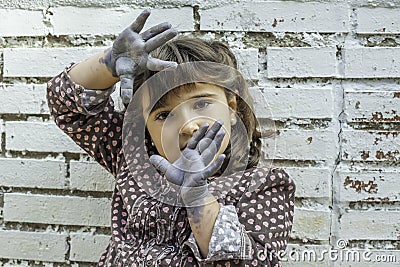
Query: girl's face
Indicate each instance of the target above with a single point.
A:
(172, 125)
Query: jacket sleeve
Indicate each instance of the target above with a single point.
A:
(254, 222)
(88, 117)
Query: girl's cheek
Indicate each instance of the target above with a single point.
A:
(170, 138)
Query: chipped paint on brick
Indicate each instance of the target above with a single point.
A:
(370, 187)
(379, 117)
(389, 155)
(364, 154)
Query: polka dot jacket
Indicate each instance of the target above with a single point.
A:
(257, 206)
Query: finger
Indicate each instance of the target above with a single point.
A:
(206, 142)
(198, 135)
(156, 64)
(126, 87)
(126, 95)
(138, 24)
(209, 153)
(159, 39)
(159, 163)
(214, 167)
(153, 31)
(214, 129)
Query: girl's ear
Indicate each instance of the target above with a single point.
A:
(233, 109)
(232, 103)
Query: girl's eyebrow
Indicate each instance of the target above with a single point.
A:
(148, 109)
(202, 95)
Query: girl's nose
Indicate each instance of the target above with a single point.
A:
(190, 127)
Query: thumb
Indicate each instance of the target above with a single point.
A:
(155, 64)
(159, 163)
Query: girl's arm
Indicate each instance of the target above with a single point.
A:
(88, 117)
(93, 73)
(202, 220)
(84, 110)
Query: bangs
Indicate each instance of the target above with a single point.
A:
(165, 98)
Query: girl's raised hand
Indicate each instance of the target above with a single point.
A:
(129, 54)
(195, 165)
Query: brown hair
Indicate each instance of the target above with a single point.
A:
(186, 49)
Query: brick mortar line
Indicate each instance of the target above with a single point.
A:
(54, 192)
(3, 138)
(56, 228)
(196, 18)
(335, 213)
(1, 65)
(335, 183)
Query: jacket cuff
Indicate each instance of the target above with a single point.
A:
(229, 239)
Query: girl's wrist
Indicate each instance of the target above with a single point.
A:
(93, 73)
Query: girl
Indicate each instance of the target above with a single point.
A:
(184, 153)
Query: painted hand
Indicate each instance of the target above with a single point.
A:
(195, 165)
(129, 54)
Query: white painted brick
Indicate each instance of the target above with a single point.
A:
(38, 137)
(311, 224)
(32, 173)
(288, 62)
(23, 98)
(247, 62)
(68, 20)
(302, 145)
(311, 182)
(24, 62)
(293, 103)
(370, 225)
(368, 185)
(49, 209)
(282, 16)
(372, 106)
(371, 145)
(372, 62)
(87, 248)
(90, 176)
(18, 22)
(378, 20)
(39, 246)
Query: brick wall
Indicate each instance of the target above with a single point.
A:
(325, 74)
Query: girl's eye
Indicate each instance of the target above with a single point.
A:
(201, 104)
(162, 116)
